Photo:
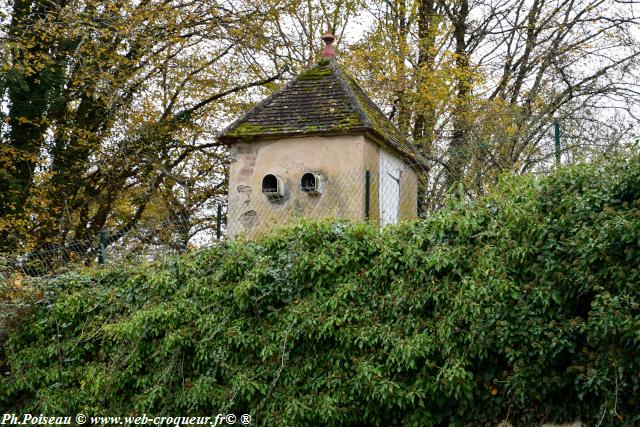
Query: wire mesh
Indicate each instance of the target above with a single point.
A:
(388, 188)
(384, 194)
(260, 203)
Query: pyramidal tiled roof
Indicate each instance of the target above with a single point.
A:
(323, 100)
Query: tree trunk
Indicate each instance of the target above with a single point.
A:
(459, 145)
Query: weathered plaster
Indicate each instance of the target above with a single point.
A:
(342, 160)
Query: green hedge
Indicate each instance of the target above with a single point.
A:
(523, 306)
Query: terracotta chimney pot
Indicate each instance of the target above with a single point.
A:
(328, 52)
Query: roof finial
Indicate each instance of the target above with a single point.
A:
(327, 51)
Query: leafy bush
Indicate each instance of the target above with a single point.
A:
(522, 306)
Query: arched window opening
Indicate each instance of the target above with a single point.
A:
(272, 186)
(312, 183)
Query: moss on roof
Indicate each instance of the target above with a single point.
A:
(321, 100)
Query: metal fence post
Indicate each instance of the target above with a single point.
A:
(219, 223)
(367, 194)
(556, 127)
(103, 244)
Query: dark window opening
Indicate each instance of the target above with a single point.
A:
(272, 186)
(309, 182)
(312, 183)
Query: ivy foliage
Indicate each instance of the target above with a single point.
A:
(522, 306)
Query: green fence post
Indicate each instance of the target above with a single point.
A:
(367, 194)
(556, 127)
(219, 223)
(103, 245)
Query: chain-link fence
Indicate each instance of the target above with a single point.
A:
(380, 196)
(386, 193)
(384, 188)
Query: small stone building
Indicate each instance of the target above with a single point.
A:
(318, 148)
